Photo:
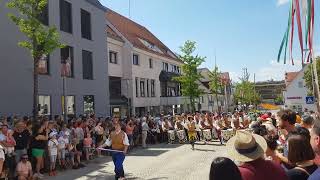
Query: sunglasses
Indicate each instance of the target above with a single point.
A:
(24, 158)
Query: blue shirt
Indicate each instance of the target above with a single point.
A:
(315, 175)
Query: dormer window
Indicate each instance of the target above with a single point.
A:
(151, 46)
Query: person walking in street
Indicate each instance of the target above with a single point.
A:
(249, 150)
(118, 140)
(145, 129)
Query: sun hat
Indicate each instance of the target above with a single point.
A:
(246, 147)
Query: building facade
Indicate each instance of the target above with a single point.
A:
(142, 68)
(296, 93)
(82, 25)
(269, 91)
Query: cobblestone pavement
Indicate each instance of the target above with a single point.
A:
(163, 161)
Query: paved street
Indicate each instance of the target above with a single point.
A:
(155, 163)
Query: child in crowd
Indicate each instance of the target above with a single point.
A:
(87, 144)
(63, 143)
(53, 152)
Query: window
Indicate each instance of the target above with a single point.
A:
(113, 57)
(165, 66)
(135, 59)
(142, 90)
(178, 69)
(67, 61)
(88, 104)
(65, 16)
(137, 89)
(44, 16)
(153, 94)
(85, 24)
(202, 99)
(148, 94)
(43, 66)
(70, 104)
(87, 64)
(150, 63)
(44, 107)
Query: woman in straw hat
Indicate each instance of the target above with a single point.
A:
(249, 150)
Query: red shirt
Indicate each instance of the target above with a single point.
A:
(261, 169)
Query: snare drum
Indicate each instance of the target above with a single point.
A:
(172, 136)
(227, 134)
(207, 134)
(181, 135)
(215, 134)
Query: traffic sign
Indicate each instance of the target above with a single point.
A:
(310, 100)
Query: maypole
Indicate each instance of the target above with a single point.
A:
(307, 16)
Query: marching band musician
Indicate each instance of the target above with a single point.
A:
(192, 133)
(118, 140)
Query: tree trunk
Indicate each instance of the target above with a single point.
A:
(193, 108)
(35, 89)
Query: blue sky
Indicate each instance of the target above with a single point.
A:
(245, 33)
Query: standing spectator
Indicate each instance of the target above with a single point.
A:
(301, 155)
(315, 143)
(271, 153)
(63, 141)
(129, 130)
(87, 145)
(39, 144)
(53, 152)
(307, 121)
(249, 150)
(99, 131)
(9, 144)
(145, 129)
(224, 168)
(24, 168)
(22, 138)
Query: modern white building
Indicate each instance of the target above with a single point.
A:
(82, 25)
(296, 93)
(141, 70)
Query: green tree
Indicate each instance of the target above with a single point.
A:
(215, 83)
(309, 76)
(245, 91)
(190, 75)
(40, 39)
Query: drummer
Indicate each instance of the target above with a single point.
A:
(179, 127)
(192, 133)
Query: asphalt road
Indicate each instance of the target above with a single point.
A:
(162, 161)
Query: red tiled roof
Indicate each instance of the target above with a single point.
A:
(290, 76)
(133, 31)
(113, 35)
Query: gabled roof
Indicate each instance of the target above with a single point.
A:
(112, 34)
(205, 72)
(97, 4)
(139, 36)
(290, 76)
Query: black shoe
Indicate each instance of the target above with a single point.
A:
(81, 166)
(75, 167)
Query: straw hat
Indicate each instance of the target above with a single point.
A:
(246, 147)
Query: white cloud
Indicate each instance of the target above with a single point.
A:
(276, 71)
(282, 2)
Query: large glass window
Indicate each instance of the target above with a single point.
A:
(44, 106)
(88, 104)
(153, 94)
(142, 90)
(135, 59)
(148, 94)
(113, 57)
(85, 24)
(43, 66)
(65, 16)
(71, 109)
(87, 64)
(67, 61)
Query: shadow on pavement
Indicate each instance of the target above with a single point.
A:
(153, 150)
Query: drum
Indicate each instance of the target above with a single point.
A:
(215, 133)
(207, 134)
(171, 135)
(227, 134)
(181, 135)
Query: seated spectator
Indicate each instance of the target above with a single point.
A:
(24, 169)
(224, 168)
(249, 150)
(301, 155)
